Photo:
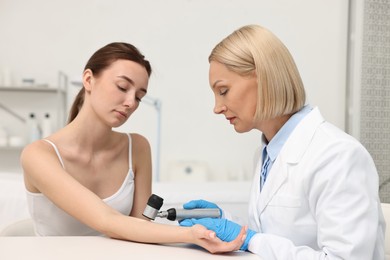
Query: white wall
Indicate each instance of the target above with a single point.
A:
(41, 37)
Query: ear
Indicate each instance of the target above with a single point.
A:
(87, 79)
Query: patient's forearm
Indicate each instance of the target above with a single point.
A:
(139, 230)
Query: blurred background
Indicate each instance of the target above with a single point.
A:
(341, 48)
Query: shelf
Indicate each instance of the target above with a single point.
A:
(14, 100)
(11, 148)
(32, 89)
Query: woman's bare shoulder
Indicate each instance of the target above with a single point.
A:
(36, 149)
(139, 140)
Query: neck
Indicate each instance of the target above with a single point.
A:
(89, 133)
(272, 126)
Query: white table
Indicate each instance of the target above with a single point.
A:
(96, 248)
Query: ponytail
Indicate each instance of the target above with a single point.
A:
(77, 104)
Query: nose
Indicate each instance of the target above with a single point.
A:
(219, 108)
(130, 101)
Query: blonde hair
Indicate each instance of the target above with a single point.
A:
(253, 48)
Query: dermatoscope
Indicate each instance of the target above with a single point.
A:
(152, 210)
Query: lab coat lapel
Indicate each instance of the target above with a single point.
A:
(273, 183)
(291, 154)
(301, 137)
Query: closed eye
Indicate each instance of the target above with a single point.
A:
(139, 96)
(121, 88)
(223, 92)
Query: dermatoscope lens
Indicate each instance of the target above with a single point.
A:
(153, 206)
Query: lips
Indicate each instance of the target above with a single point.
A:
(231, 119)
(124, 114)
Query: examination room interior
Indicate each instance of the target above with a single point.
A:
(196, 154)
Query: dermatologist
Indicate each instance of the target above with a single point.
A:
(315, 189)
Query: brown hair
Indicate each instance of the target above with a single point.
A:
(102, 59)
(254, 48)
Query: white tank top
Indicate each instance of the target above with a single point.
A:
(49, 220)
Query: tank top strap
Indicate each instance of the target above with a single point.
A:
(56, 150)
(62, 163)
(130, 153)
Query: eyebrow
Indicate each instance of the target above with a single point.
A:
(215, 83)
(131, 82)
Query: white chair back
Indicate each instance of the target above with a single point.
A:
(386, 214)
(19, 228)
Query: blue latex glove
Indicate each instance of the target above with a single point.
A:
(225, 229)
(202, 204)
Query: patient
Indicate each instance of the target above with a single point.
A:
(87, 179)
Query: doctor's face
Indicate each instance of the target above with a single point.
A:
(235, 96)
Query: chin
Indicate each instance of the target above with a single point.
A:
(241, 130)
(117, 124)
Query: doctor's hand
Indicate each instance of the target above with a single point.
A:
(201, 204)
(225, 229)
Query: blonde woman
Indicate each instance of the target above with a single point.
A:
(315, 188)
(87, 179)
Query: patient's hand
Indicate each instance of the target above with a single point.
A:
(208, 240)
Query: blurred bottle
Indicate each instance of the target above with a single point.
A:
(46, 126)
(34, 132)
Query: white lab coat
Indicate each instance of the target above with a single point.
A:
(320, 200)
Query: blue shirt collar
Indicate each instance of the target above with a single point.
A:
(277, 142)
